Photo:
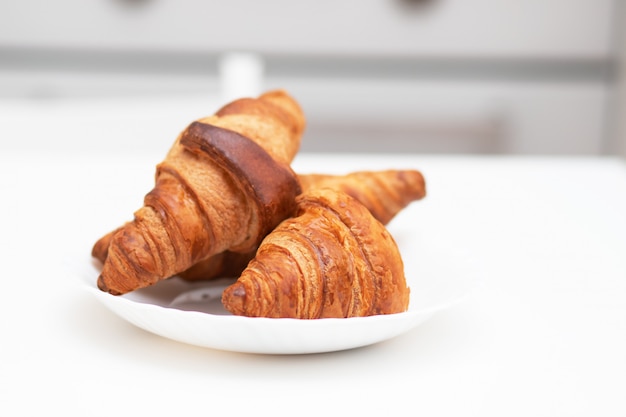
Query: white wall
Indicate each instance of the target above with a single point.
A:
(455, 76)
(620, 112)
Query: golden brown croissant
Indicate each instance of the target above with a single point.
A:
(383, 193)
(225, 183)
(332, 259)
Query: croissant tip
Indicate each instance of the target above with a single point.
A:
(103, 287)
(234, 298)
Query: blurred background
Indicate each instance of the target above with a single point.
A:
(527, 77)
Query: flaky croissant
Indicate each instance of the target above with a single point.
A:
(224, 184)
(332, 259)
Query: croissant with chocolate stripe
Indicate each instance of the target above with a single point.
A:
(225, 183)
(332, 259)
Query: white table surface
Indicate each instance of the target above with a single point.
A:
(544, 336)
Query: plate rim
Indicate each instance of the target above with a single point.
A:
(401, 322)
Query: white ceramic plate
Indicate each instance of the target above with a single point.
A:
(192, 312)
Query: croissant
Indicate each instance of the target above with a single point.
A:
(225, 183)
(332, 259)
